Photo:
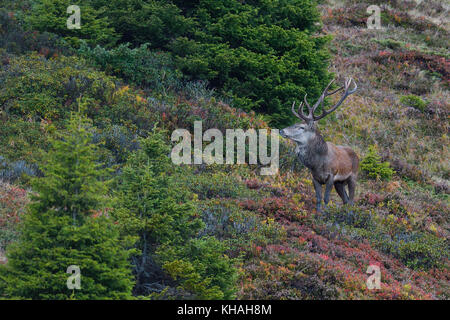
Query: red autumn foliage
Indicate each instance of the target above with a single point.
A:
(253, 184)
(429, 62)
(12, 204)
(279, 208)
(372, 198)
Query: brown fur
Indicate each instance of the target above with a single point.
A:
(344, 160)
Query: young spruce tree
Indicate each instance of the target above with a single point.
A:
(173, 260)
(66, 225)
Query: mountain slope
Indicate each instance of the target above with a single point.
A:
(283, 248)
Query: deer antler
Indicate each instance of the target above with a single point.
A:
(301, 115)
(311, 117)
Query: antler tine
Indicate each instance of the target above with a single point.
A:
(310, 110)
(323, 95)
(347, 92)
(293, 110)
(356, 86)
(337, 90)
(301, 115)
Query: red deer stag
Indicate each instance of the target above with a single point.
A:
(329, 164)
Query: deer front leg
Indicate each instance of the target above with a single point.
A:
(351, 189)
(328, 186)
(318, 189)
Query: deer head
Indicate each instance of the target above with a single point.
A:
(302, 132)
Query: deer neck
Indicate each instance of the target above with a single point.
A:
(313, 152)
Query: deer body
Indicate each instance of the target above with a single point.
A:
(330, 165)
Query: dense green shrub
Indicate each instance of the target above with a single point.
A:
(37, 88)
(66, 225)
(51, 16)
(261, 54)
(421, 250)
(148, 69)
(414, 102)
(201, 267)
(372, 165)
(139, 21)
(21, 140)
(14, 39)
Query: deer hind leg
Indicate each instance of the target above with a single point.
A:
(340, 189)
(351, 188)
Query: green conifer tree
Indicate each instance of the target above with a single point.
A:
(67, 225)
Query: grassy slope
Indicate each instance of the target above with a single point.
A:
(331, 261)
(289, 251)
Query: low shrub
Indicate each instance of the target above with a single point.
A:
(216, 185)
(393, 235)
(350, 216)
(420, 251)
(413, 101)
(372, 165)
(405, 169)
(22, 140)
(431, 63)
(226, 220)
(12, 171)
(118, 140)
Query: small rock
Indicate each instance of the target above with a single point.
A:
(3, 259)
